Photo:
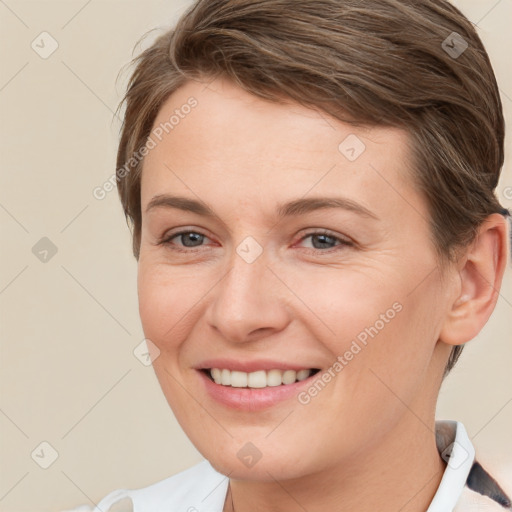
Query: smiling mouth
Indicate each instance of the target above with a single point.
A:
(258, 379)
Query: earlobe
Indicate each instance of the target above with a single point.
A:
(480, 276)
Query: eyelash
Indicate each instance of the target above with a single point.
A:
(166, 241)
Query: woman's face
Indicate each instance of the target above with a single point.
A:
(297, 243)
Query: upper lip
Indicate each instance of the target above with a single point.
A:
(251, 366)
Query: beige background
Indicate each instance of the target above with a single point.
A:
(69, 325)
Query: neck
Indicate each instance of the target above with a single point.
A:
(402, 473)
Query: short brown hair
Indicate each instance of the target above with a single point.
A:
(418, 65)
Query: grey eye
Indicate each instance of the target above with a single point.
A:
(190, 238)
(324, 241)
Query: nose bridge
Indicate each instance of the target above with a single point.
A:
(246, 299)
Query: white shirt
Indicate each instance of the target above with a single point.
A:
(465, 485)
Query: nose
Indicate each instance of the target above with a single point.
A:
(249, 302)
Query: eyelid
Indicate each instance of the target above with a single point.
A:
(166, 238)
(327, 232)
(345, 241)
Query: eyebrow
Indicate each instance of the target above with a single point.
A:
(293, 208)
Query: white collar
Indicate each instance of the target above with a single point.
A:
(456, 449)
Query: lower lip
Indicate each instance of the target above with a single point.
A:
(252, 399)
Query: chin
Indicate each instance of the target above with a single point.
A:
(266, 469)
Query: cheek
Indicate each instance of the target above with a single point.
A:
(379, 332)
(166, 301)
(348, 305)
(395, 360)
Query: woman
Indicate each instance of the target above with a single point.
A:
(311, 191)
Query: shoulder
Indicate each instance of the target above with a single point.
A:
(198, 488)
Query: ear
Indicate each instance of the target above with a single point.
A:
(481, 270)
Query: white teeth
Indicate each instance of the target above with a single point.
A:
(216, 375)
(225, 378)
(289, 376)
(258, 379)
(303, 374)
(238, 379)
(274, 377)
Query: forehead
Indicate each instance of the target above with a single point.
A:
(222, 142)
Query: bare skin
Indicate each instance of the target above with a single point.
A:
(366, 441)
